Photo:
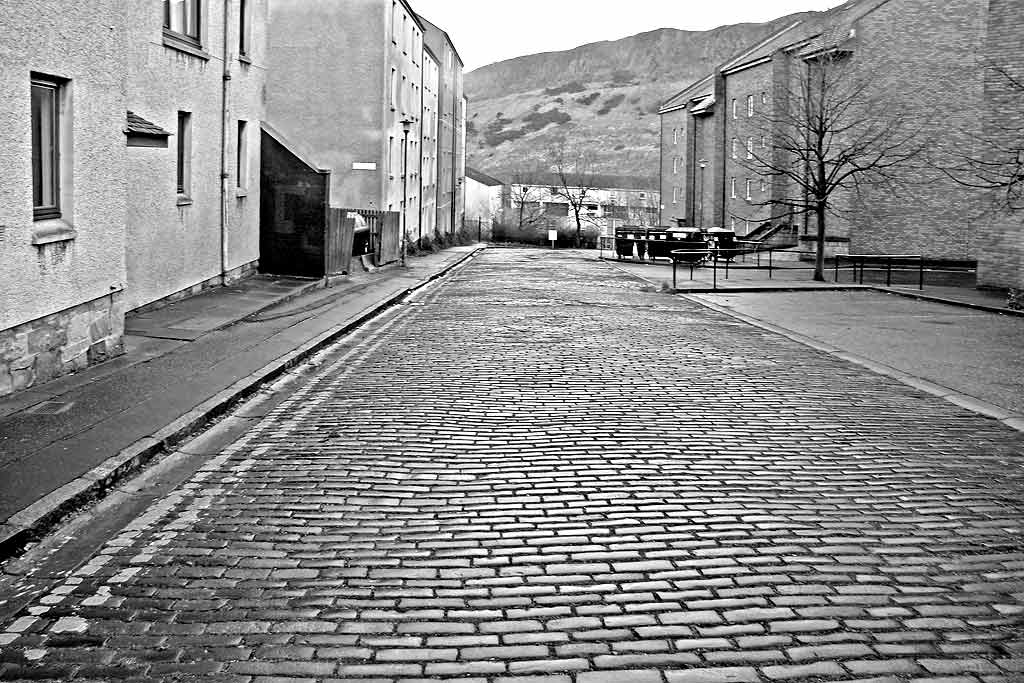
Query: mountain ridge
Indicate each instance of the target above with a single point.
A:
(601, 98)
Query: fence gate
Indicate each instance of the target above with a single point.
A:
(341, 227)
(390, 244)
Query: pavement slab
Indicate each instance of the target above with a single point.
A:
(534, 471)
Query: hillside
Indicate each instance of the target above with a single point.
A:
(602, 97)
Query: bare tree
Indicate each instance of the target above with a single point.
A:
(524, 199)
(575, 183)
(834, 132)
(996, 164)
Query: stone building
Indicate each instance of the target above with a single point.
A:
(916, 53)
(366, 59)
(451, 148)
(195, 70)
(120, 132)
(428, 147)
(62, 202)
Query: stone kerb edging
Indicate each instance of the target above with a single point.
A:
(42, 516)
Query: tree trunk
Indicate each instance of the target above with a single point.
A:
(819, 255)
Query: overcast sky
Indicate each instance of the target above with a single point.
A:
(486, 31)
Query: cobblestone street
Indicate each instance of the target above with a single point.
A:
(535, 472)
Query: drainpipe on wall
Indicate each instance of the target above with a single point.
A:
(224, 161)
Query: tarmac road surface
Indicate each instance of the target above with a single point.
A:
(534, 472)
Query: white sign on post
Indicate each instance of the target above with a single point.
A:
(553, 236)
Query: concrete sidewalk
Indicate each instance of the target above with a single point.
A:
(66, 442)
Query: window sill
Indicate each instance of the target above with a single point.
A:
(52, 230)
(184, 200)
(242, 193)
(183, 44)
(244, 59)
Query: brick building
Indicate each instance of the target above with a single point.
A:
(916, 54)
(1001, 241)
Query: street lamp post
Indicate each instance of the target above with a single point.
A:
(703, 163)
(406, 126)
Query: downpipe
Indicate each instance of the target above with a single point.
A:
(224, 127)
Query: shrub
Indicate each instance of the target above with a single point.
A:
(610, 103)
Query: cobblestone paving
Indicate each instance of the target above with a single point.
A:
(538, 473)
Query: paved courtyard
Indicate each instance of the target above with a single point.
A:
(537, 473)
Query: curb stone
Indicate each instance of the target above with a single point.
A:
(44, 515)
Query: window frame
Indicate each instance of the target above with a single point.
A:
(183, 164)
(244, 29)
(749, 185)
(735, 109)
(732, 188)
(195, 40)
(394, 88)
(750, 106)
(242, 155)
(750, 146)
(56, 88)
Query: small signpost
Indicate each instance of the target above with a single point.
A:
(553, 236)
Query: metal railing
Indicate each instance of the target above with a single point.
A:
(861, 260)
(700, 257)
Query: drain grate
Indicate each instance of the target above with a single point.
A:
(50, 408)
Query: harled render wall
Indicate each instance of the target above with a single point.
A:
(174, 245)
(61, 304)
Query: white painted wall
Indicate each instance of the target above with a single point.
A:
(39, 280)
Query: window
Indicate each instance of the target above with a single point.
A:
(391, 155)
(750, 106)
(675, 195)
(732, 188)
(749, 196)
(734, 146)
(405, 92)
(750, 148)
(242, 156)
(734, 109)
(405, 33)
(184, 153)
(182, 17)
(243, 28)
(675, 164)
(393, 95)
(764, 142)
(764, 185)
(732, 222)
(394, 22)
(675, 136)
(46, 95)
(764, 98)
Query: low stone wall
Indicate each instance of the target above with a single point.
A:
(61, 343)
